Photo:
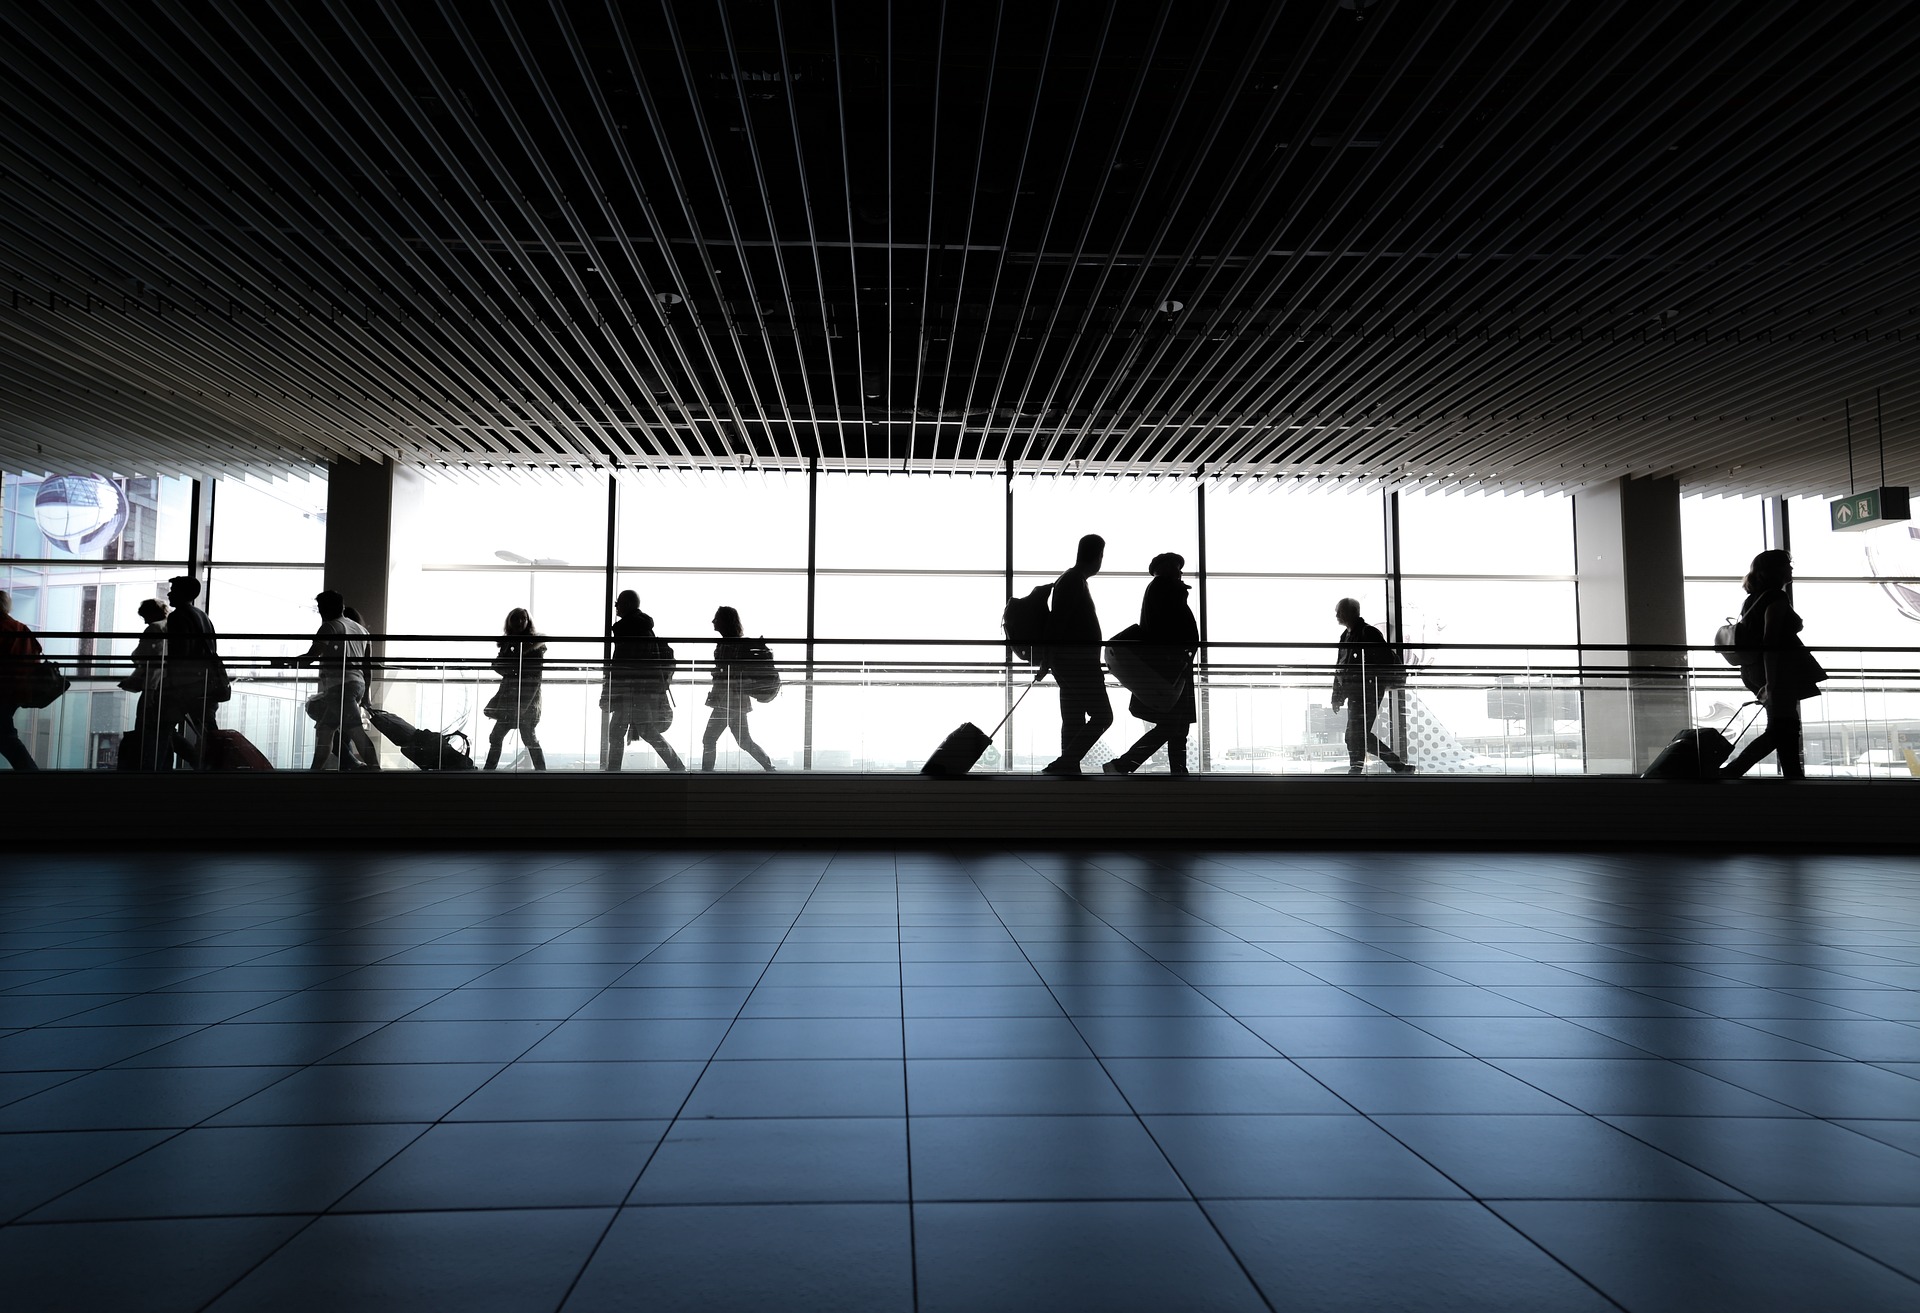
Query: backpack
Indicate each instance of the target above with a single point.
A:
(1025, 622)
(660, 663)
(755, 674)
(1726, 641)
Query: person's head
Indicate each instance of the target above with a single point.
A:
(519, 622)
(330, 604)
(726, 622)
(627, 602)
(1347, 612)
(182, 589)
(6, 602)
(1770, 570)
(1167, 564)
(1092, 551)
(152, 610)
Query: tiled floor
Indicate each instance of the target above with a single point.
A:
(966, 1081)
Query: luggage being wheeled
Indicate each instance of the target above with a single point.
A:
(959, 751)
(229, 749)
(1695, 753)
(426, 748)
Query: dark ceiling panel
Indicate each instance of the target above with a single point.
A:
(1483, 243)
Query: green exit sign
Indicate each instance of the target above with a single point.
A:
(1864, 510)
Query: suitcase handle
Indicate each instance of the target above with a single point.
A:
(995, 731)
(1728, 731)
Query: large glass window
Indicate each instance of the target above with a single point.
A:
(1719, 537)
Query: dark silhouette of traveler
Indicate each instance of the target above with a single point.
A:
(728, 697)
(340, 656)
(515, 705)
(1775, 666)
(148, 661)
(1073, 656)
(1364, 670)
(1171, 637)
(19, 654)
(637, 696)
(194, 681)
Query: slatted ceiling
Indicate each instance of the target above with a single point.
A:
(1481, 244)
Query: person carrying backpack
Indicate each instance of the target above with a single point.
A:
(636, 694)
(1073, 656)
(1366, 667)
(734, 661)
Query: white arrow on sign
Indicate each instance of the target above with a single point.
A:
(1844, 514)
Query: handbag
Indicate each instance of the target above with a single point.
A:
(43, 685)
(1726, 641)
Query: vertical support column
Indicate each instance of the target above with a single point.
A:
(813, 567)
(375, 518)
(1777, 531)
(1631, 591)
(1006, 708)
(1396, 610)
(608, 592)
(1203, 693)
(200, 538)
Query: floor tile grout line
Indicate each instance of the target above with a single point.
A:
(673, 1121)
(289, 1239)
(1140, 1121)
(906, 1089)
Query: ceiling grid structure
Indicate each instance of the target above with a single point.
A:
(1351, 243)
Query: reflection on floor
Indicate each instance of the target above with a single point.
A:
(920, 1079)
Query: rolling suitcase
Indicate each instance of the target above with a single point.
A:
(229, 749)
(959, 751)
(1695, 753)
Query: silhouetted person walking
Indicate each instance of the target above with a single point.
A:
(1170, 636)
(728, 697)
(340, 653)
(1775, 666)
(19, 654)
(637, 696)
(515, 705)
(148, 661)
(1073, 655)
(1364, 670)
(194, 681)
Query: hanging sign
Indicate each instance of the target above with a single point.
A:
(1864, 510)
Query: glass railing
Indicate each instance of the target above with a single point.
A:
(873, 705)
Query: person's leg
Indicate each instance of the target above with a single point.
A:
(662, 749)
(1374, 744)
(710, 738)
(1356, 734)
(1085, 711)
(531, 741)
(12, 746)
(738, 723)
(1783, 723)
(1143, 747)
(362, 743)
(326, 736)
(494, 740)
(1177, 750)
(618, 719)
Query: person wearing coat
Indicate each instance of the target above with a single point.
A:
(1366, 667)
(728, 697)
(148, 666)
(520, 664)
(1775, 666)
(1171, 637)
(636, 695)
